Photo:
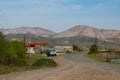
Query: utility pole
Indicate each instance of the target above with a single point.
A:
(96, 40)
(24, 40)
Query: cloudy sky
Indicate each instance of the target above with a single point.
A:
(59, 15)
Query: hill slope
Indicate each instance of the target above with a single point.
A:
(80, 35)
(28, 30)
(88, 31)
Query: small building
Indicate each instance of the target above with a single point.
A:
(63, 49)
(36, 47)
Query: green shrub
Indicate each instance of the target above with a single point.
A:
(93, 49)
(44, 62)
(68, 51)
(76, 48)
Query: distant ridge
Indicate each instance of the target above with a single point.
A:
(81, 35)
(76, 31)
(37, 31)
(88, 31)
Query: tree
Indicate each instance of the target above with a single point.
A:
(76, 48)
(7, 52)
(19, 48)
(11, 56)
(93, 49)
(12, 52)
(2, 48)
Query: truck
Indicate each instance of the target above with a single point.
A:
(50, 52)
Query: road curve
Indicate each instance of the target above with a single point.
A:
(81, 59)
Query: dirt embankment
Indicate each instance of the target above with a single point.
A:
(65, 70)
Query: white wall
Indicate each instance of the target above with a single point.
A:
(31, 50)
(63, 48)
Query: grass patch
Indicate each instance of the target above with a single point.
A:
(34, 61)
(94, 57)
(9, 69)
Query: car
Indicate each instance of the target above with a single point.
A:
(51, 52)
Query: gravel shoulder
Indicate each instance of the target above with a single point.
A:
(66, 70)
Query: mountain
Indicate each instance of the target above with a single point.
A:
(84, 36)
(81, 35)
(80, 30)
(88, 31)
(28, 30)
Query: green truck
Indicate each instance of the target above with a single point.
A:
(51, 52)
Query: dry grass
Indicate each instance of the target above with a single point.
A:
(103, 56)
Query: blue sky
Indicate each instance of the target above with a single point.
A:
(59, 15)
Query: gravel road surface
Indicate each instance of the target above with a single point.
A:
(81, 59)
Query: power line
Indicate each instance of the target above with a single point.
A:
(3, 19)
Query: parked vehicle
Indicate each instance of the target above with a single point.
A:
(51, 52)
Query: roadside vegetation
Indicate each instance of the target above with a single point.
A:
(13, 57)
(102, 56)
(76, 48)
(12, 52)
(93, 49)
(44, 62)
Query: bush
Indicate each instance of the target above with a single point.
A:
(68, 51)
(76, 48)
(44, 62)
(93, 49)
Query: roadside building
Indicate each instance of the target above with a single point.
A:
(36, 47)
(63, 49)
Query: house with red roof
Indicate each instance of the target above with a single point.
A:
(37, 47)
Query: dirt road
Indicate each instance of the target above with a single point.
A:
(81, 59)
(66, 70)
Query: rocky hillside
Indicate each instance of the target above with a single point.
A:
(28, 30)
(80, 35)
(88, 31)
(79, 31)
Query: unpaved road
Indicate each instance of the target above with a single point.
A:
(70, 67)
(81, 59)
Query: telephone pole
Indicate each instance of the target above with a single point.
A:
(96, 42)
(24, 39)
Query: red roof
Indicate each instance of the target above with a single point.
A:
(31, 44)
